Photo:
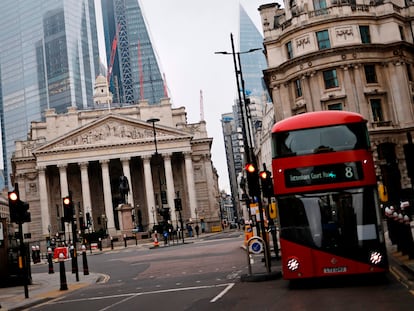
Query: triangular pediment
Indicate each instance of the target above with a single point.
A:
(112, 130)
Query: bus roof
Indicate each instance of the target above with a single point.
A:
(317, 119)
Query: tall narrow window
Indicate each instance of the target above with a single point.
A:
(330, 79)
(370, 74)
(323, 39)
(319, 4)
(298, 88)
(320, 7)
(401, 32)
(365, 36)
(409, 73)
(376, 109)
(289, 50)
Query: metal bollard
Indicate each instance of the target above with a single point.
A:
(63, 282)
(49, 260)
(85, 261)
(125, 240)
(112, 242)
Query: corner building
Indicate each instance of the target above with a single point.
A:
(85, 152)
(348, 55)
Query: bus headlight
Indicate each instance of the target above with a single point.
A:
(375, 258)
(293, 264)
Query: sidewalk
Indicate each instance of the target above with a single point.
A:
(400, 265)
(46, 286)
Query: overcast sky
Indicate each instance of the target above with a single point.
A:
(185, 35)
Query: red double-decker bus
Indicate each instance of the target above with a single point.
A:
(326, 191)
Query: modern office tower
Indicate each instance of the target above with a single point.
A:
(348, 55)
(233, 145)
(48, 59)
(252, 63)
(133, 70)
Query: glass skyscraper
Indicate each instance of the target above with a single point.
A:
(49, 58)
(135, 72)
(252, 63)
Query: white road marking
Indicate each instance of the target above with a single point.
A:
(129, 296)
(223, 292)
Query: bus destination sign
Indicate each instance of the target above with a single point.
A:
(323, 174)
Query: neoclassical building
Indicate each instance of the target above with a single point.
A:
(84, 153)
(354, 55)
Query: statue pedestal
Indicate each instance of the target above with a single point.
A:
(125, 218)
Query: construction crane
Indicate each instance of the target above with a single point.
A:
(113, 53)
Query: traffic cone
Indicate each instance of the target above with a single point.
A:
(156, 243)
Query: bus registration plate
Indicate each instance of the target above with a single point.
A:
(334, 270)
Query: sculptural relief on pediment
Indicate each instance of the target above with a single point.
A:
(110, 132)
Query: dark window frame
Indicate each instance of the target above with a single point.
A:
(289, 50)
(370, 73)
(323, 39)
(365, 34)
(330, 79)
(376, 109)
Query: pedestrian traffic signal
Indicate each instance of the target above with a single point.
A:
(67, 209)
(252, 180)
(266, 182)
(19, 210)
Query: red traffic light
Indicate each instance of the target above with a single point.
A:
(66, 200)
(13, 196)
(263, 175)
(250, 168)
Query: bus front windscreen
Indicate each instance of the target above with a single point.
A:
(338, 221)
(322, 139)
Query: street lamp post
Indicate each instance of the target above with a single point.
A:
(247, 137)
(153, 121)
(242, 96)
(163, 195)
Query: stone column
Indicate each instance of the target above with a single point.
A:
(44, 203)
(127, 173)
(109, 212)
(149, 190)
(64, 189)
(401, 113)
(209, 176)
(170, 186)
(362, 106)
(189, 171)
(86, 193)
(351, 91)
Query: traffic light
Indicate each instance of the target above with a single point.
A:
(14, 205)
(266, 182)
(252, 179)
(25, 215)
(67, 209)
(177, 204)
(19, 210)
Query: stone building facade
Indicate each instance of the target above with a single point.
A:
(84, 153)
(349, 55)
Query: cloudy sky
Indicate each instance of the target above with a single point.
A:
(185, 35)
